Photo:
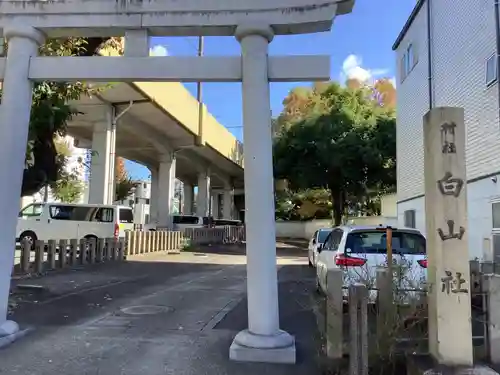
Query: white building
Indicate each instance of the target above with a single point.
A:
(447, 56)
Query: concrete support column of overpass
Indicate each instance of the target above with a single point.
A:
(187, 205)
(153, 197)
(166, 189)
(101, 190)
(202, 199)
(263, 340)
(14, 117)
(215, 207)
(227, 203)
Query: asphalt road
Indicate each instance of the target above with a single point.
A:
(155, 314)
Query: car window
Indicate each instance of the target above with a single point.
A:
(126, 216)
(104, 215)
(75, 213)
(314, 236)
(34, 209)
(333, 240)
(375, 242)
(322, 235)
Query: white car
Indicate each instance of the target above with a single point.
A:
(316, 241)
(359, 250)
(53, 221)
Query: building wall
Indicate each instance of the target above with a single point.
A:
(463, 38)
(480, 195)
(412, 104)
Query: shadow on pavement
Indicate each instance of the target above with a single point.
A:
(81, 311)
(72, 296)
(239, 249)
(296, 285)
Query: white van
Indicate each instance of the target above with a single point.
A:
(53, 221)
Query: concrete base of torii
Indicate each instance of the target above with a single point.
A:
(10, 332)
(279, 348)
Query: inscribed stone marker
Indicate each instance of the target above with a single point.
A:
(450, 334)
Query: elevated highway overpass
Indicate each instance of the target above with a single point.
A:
(157, 125)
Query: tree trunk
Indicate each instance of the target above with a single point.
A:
(338, 206)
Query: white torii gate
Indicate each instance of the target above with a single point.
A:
(27, 24)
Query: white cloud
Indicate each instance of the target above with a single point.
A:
(158, 50)
(352, 68)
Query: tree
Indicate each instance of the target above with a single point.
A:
(50, 112)
(67, 188)
(120, 171)
(385, 93)
(295, 107)
(345, 143)
(123, 183)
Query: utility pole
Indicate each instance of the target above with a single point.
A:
(199, 97)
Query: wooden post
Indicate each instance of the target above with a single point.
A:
(450, 333)
(74, 251)
(92, 250)
(389, 250)
(51, 254)
(334, 314)
(84, 245)
(101, 244)
(39, 256)
(110, 248)
(129, 238)
(25, 255)
(358, 332)
(140, 242)
(63, 248)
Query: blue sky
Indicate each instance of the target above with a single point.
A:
(359, 46)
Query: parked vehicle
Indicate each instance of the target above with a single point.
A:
(184, 221)
(191, 221)
(317, 240)
(46, 221)
(358, 251)
(227, 222)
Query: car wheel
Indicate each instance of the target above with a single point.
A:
(29, 237)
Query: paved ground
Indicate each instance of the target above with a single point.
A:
(155, 314)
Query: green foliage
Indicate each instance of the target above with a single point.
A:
(303, 205)
(51, 110)
(68, 187)
(67, 190)
(344, 142)
(123, 188)
(186, 244)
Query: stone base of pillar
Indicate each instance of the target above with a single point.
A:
(10, 332)
(247, 347)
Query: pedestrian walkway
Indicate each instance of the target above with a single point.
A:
(157, 317)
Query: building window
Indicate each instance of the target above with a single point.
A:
(410, 219)
(495, 215)
(491, 70)
(408, 61)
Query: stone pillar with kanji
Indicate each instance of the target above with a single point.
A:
(448, 276)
